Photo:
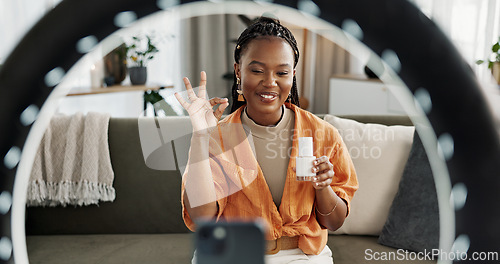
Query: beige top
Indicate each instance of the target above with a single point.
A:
(272, 147)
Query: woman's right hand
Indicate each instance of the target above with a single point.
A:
(203, 117)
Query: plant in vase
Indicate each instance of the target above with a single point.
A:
(139, 53)
(494, 61)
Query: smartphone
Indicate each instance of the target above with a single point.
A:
(229, 243)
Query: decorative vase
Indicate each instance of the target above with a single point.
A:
(116, 64)
(138, 75)
(495, 70)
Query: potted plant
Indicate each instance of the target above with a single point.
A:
(139, 53)
(494, 61)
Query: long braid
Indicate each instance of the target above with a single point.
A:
(264, 26)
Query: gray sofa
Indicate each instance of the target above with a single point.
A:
(144, 224)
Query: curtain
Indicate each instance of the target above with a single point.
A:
(320, 59)
(207, 44)
(472, 25)
(16, 18)
(331, 60)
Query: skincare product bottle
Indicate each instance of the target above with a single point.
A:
(304, 161)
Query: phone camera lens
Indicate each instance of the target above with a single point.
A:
(219, 233)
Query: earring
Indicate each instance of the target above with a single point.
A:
(239, 91)
(240, 95)
(289, 98)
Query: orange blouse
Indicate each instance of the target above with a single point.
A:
(242, 191)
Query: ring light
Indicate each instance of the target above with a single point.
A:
(397, 31)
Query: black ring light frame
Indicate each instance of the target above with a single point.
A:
(428, 60)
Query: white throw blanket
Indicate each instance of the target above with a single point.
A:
(72, 164)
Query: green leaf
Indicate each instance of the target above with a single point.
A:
(152, 97)
(490, 64)
(479, 62)
(495, 47)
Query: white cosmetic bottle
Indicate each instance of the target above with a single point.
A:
(304, 161)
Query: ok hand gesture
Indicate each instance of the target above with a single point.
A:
(203, 117)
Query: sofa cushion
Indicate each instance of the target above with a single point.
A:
(110, 249)
(365, 249)
(379, 154)
(413, 221)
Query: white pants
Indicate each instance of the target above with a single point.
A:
(295, 256)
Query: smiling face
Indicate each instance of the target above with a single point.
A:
(266, 72)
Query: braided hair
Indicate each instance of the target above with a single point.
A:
(264, 27)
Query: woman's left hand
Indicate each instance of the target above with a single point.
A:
(324, 173)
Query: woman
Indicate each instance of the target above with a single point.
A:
(227, 180)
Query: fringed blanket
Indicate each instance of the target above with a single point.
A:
(73, 165)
